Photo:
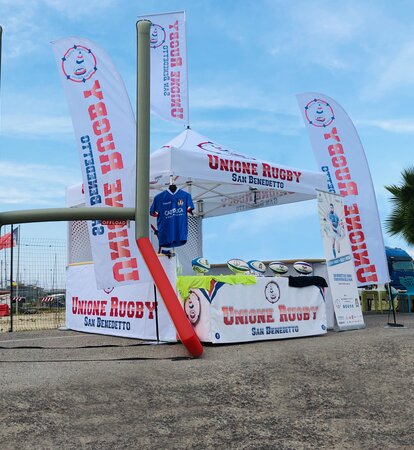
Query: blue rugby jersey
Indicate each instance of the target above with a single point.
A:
(171, 209)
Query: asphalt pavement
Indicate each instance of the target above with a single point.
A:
(346, 390)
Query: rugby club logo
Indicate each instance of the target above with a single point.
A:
(157, 35)
(79, 64)
(319, 113)
(272, 292)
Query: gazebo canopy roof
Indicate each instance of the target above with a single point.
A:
(222, 181)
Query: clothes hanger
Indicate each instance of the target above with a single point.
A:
(172, 187)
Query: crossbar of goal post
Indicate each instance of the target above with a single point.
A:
(183, 326)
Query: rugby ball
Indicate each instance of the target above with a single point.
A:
(278, 267)
(257, 266)
(200, 265)
(303, 267)
(237, 265)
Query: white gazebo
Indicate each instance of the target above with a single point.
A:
(223, 181)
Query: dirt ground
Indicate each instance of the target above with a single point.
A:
(349, 390)
(34, 322)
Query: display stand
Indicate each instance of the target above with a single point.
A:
(391, 298)
(268, 308)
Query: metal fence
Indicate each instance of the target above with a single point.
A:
(32, 285)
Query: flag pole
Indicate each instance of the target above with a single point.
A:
(11, 278)
(1, 261)
(18, 268)
(5, 270)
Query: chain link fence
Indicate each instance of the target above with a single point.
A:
(32, 285)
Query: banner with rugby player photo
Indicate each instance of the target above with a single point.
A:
(169, 85)
(340, 267)
(268, 309)
(340, 155)
(104, 127)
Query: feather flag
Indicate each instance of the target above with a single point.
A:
(340, 155)
(169, 77)
(104, 128)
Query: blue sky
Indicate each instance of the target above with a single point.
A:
(247, 60)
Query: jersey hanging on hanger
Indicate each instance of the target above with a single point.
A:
(171, 210)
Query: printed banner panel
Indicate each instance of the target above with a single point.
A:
(339, 153)
(104, 127)
(169, 86)
(340, 267)
(269, 309)
(126, 311)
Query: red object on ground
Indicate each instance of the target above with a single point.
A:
(184, 329)
(4, 310)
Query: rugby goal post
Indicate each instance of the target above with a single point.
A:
(140, 214)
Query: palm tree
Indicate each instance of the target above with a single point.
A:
(401, 219)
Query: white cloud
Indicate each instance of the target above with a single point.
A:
(320, 34)
(392, 125)
(226, 92)
(35, 113)
(35, 125)
(297, 29)
(275, 124)
(76, 9)
(19, 26)
(247, 107)
(35, 172)
(34, 184)
(332, 23)
(33, 196)
(399, 69)
(23, 19)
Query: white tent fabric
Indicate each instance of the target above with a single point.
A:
(222, 181)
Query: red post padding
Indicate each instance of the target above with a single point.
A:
(184, 329)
